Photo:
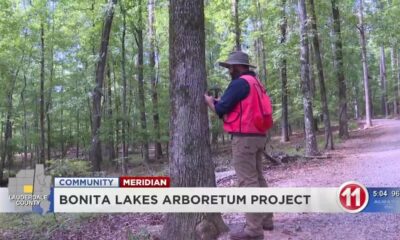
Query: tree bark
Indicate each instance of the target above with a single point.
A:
(339, 69)
(283, 75)
(25, 128)
(261, 43)
(142, 104)
(109, 143)
(63, 150)
(49, 99)
(235, 8)
(41, 104)
(124, 92)
(154, 93)
(382, 73)
(95, 155)
(320, 70)
(393, 76)
(312, 70)
(190, 159)
(368, 122)
(397, 93)
(77, 126)
(311, 148)
(393, 64)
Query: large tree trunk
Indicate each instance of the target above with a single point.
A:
(318, 60)
(283, 76)
(339, 69)
(382, 73)
(235, 8)
(311, 148)
(95, 155)
(42, 110)
(190, 159)
(368, 122)
(142, 100)
(154, 94)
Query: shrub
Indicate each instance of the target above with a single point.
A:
(68, 168)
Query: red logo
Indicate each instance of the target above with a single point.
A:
(353, 197)
(144, 182)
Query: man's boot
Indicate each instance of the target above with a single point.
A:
(268, 223)
(242, 235)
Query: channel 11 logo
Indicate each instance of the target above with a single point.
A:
(353, 197)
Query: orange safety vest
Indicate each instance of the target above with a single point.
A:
(252, 115)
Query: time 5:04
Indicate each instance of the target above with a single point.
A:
(380, 193)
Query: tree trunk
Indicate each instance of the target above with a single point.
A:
(117, 113)
(368, 122)
(397, 93)
(311, 70)
(382, 73)
(339, 69)
(311, 148)
(109, 143)
(263, 67)
(154, 94)
(393, 64)
(142, 100)
(48, 107)
(235, 8)
(283, 76)
(25, 128)
(6, 153)
(124, 92)
(190, 155)
(42, 110)
(95, 155)
(2, 153)
(49, 100)
(318, 60)
(356, 103)
(62, 125)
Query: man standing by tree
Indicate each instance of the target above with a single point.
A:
(247, 114)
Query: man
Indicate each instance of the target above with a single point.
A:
(246, 111)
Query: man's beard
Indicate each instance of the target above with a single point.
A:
(235, 74)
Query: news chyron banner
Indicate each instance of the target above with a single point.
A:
(33, 191)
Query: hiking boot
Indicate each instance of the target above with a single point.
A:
(242, 235)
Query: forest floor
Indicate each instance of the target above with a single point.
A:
(370, 156)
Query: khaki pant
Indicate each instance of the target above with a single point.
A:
(247, 154)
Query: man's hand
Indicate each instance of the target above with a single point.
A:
(210, 101)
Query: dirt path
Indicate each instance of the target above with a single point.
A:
(371, 157)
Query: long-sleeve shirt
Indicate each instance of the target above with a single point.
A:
(237, 90)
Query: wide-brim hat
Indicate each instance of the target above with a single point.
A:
(236, 58)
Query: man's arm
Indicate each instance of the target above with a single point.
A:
(210, 101)
(237, 91)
